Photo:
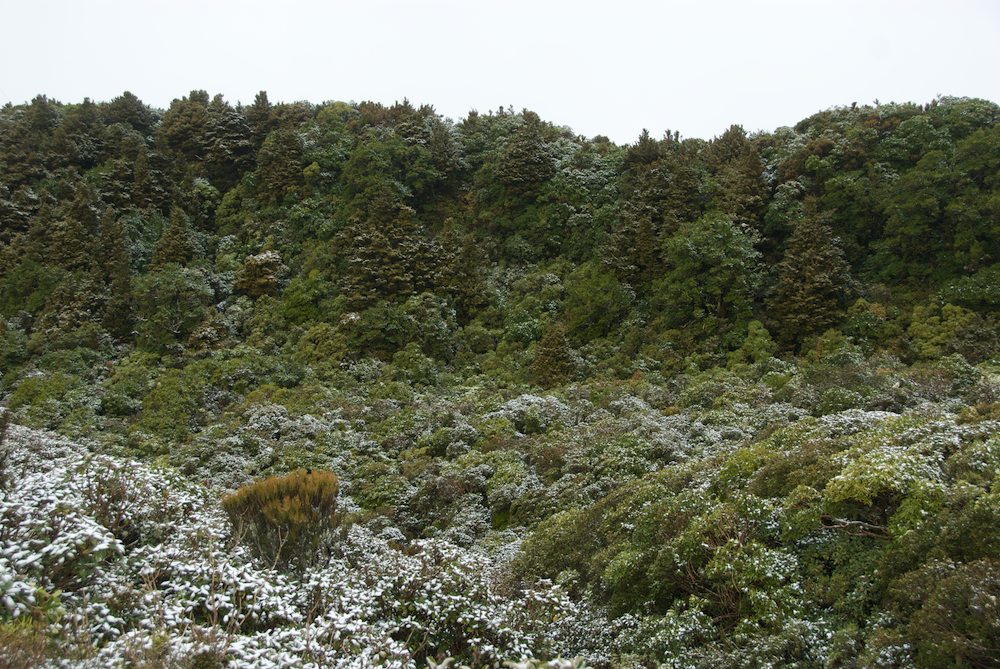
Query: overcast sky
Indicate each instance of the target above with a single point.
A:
(612, 67)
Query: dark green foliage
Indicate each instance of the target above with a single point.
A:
(27, 286)
(738, 173)
(71, 315)
(170, 302)
(116, 263)
(279, 168)
(553, 361)
(130, 110)
(260, 117)
(812, 282)
(184, 128)
(261, 274)
(388, 255)
(711, 275)
(176, 245)
(524, 162)
(229, 149)
(595, 303)
(956, 622)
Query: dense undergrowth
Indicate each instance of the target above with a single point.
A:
(354, 385)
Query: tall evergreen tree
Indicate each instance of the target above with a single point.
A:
(176, 244)
(712, 274)
(462, 262)
(279, 165)
(182, 133)
(812, 282)
(71, 235)
(117, 275)
(141, 180)
(260, 117)
(229, 149)
(738, 176)
(633, 249)
(525, 161)
(553, 361)
(130, 110)
(389, 256)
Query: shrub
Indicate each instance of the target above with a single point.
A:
(958, 623)
(835, 400)
(936, 331)
(22, 645)
(5, 451)
(111, 497)
(285, 519)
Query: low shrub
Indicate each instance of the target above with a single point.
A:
(285, 519)
(22, 645)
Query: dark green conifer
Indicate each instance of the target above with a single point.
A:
(553, 362)
(279, 166)
(117, 276)
(813, 282)
(525, 162)
(260, 118)
(176, 244)
(141, 180)
(389, 254)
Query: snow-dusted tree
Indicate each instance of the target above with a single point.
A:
(261, 274)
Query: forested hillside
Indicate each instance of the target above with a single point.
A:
(352, 385)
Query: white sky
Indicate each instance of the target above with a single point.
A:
(611, 67)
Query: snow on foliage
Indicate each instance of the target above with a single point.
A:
(129, 560)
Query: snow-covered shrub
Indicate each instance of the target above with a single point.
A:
(181, 589)
(4, 449)
(532, 414)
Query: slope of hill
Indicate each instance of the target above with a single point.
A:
(490, 390)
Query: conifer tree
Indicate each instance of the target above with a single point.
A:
(525, 162)
(70, 316)
(117, 275)
(813, 282)
(389, 254)
(633, 248)
(260, 118)
(229, 150)
(176, 244)
(712, 274)
(182, 130)
(141, 180)
(738, 174)
(553, 362)
(462, 262)
(130, 110)
(261, 274)
(279, 165)
(84, 207)
(70, 236)
(68, 243)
